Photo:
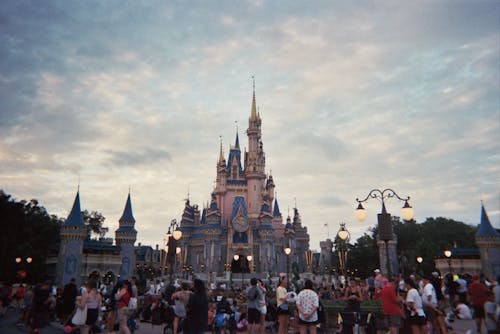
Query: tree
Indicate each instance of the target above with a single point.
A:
(94, 222)
(428, 240)
(27, 231)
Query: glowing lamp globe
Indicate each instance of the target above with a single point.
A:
(407, 212)
(360, 213)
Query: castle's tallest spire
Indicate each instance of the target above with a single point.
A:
(253, 114)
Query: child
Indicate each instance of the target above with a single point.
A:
(243, 323)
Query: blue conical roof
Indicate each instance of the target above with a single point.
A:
(276, 211)
(485, 228)
(127, 216)
(237, 143)
(75, 216)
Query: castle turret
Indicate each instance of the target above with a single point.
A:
(254, 161)
(73, 233)
(126, 236)
(488, 242)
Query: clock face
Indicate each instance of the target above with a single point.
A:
(240, 224)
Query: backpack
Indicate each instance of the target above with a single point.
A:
(252, 294)
(219, 320)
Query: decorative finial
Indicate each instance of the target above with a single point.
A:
(188, 193)
(253, 114)
(295, 199)
(221, 155)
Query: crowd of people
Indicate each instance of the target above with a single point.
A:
(416, 305)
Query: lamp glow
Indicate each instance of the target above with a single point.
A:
(420, 259)
(288, 250)
(360, 213)
(407, 212)
(447, 253)
(177, 234)
(236, 257)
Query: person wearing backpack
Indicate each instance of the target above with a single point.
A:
(253, 294)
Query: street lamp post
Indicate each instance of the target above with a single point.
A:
(343, 237)
(419, 264)
(384, 218)
(447, 254)
(236, 257)
(288, 251)
(174, 234)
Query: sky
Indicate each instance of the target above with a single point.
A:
(353, 96)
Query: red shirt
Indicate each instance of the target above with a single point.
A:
(123, 302)
(477, 292)
(390, 303)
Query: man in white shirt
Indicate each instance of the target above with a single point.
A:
(429, 299)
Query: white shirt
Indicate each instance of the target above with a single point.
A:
(415, 298)
(463, 311)
(429, 291)
(308, 299)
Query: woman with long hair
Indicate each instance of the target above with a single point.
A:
(197, 310)
(92, 299)
(414, 305)
(282, 304)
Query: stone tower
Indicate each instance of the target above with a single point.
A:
(488, 242)
(73, 233)
(125, 237)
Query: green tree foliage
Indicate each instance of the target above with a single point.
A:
(94, 221)
(27, 231)
(428, 240)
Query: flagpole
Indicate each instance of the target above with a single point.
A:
(327, 225)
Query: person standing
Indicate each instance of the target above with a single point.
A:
(307, 305)
(40, 307)
(180, 298)
(431, 308)
(477, 294)
(282, 304)
(262, 306)
(123, 298)
(491, 320)
(414, 304)
(391, 306)
(69, 294)
(253, 294)
(92, 299)
(197, 310)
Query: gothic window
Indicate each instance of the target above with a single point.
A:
(235, 172)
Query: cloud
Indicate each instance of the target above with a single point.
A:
(352, 96)
(146, 157)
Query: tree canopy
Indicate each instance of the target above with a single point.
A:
(427, 240)
(28, 231)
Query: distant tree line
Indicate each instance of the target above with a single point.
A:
(427, 240)
(27, 231)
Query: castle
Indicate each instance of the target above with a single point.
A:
(242, 227)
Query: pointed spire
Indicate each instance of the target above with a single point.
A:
(221, 153)
(485, 227)
(75, 216)
(276, 211)
(253, 114)
(237, 142)
(127, 216)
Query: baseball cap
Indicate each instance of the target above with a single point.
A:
(377, 270)
(475, 277)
